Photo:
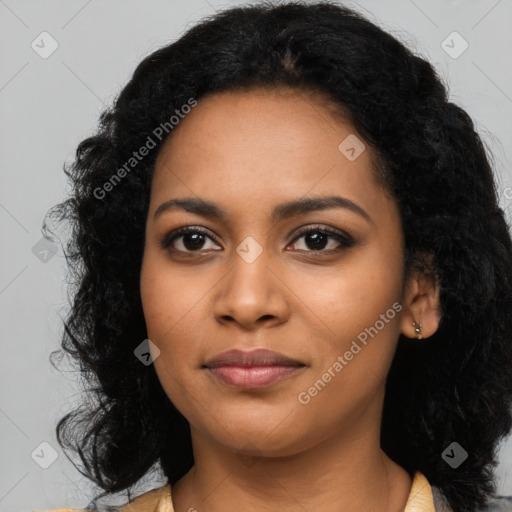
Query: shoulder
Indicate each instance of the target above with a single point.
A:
(62, 510)
(498, 504)
(495, 504)
(66, 509)
(157, 500)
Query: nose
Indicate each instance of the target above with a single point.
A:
(251, 295)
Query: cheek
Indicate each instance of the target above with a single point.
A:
(170, 297)
(354, 297)
(349, 378)
(361, 307)
(175, 307)
(165, 310)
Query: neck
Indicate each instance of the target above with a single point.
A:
(346, 471)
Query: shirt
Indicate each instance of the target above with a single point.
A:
(421, 499)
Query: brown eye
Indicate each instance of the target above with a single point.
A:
(317, 240)
(188, 240)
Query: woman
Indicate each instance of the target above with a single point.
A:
(293, 276)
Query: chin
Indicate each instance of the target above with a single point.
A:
(259, 440)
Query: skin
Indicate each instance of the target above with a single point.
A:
(263, 450)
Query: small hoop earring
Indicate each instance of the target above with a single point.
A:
(417, 329)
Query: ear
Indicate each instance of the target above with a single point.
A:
(421, 301)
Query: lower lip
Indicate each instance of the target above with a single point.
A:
(252, 377)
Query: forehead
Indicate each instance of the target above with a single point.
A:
(261, 143)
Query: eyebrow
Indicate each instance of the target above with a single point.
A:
(280, 212)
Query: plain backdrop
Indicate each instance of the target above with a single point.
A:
(49, 103)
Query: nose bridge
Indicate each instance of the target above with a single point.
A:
(250, 278)
(250, 290)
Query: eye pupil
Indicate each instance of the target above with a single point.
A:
(197, 241)
(318, 240)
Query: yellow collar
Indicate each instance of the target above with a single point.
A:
(420, 497)
(159, 500)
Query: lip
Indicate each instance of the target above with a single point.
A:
(252, 370)
(252, 377)
(257, 357)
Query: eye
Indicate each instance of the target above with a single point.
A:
(317, 238)
(189, 240)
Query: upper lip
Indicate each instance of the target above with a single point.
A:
(257, 357)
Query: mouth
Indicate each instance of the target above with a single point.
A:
(252, 377)
(257, 357)
(252, 370)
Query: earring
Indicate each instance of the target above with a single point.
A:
(417, 329)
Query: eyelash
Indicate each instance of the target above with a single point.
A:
(345, 240)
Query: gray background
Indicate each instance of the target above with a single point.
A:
(49, 105)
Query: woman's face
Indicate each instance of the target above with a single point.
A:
(260, 275)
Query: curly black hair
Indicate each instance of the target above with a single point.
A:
(456, 386)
